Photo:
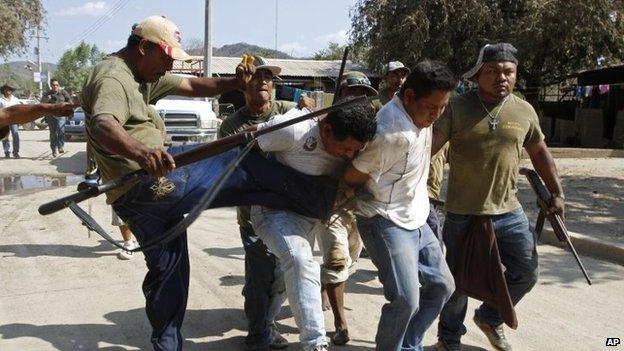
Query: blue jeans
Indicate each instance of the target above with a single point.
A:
(415, 278)
(256, 181)
(57, 132)
(264, 289)
(15, 138)
(290, 237)
(516, 245)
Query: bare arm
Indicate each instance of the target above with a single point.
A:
(355, 178)
(111, 136)
(545, 166)
(439, 139)
(20, 114)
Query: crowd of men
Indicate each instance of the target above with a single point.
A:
(377, 158)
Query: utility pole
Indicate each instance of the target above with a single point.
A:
(38, 52)
(208, 41)
(276, 26)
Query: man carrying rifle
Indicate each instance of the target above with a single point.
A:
(126, 135)
(487, 130)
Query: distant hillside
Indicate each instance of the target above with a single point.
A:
(19, 68)
(17, 75)
(238, 49)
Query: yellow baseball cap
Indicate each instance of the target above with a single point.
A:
(160, 30)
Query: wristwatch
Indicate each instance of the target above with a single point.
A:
(554, 195)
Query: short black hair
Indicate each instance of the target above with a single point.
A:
(134, 40)
(427, 76)
(54, 80)
(356, 121)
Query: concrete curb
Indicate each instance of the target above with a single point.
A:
(586, 245)
(572, 152)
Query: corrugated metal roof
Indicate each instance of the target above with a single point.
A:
(290, 67)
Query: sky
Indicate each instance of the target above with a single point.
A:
(302, 27)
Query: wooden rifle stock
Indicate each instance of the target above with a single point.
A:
(555, 220)
(196, 154)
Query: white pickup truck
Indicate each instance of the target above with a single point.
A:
(188, 119)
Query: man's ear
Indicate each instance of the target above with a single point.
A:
(326, 130)
(408, 95)
(143, 46)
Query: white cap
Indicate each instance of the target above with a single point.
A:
(162, 31)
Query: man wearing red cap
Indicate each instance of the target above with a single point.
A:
(487, 130)
(126, 134)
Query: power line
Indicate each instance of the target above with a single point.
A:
(101, 21)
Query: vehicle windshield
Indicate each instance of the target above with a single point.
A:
(180, 97)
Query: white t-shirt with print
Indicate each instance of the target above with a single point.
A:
(397, 161)
(299, 146)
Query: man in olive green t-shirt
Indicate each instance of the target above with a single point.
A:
(126, 134)
(487, 130)
(264, 295)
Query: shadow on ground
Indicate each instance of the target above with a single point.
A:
(73, 251)
(130, 329)
(75, 164)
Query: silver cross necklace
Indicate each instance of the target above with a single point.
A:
(493, 119)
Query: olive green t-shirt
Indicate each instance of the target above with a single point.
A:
(242, 119)
(112, 89)
(239, 121)
(436, 172)
(483, 162)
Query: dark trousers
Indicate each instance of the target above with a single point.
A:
(256, 181)
(259, 290)
(57, 132)
(516, 244)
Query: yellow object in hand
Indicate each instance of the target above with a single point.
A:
(248, 59)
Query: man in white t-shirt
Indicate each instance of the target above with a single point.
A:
(316, 148)
(391, 217)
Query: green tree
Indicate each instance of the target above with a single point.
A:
(334, 51)
(555, 38)
(75, 64)
(18, 17)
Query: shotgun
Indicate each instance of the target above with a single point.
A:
(197, 154)
(555, 220)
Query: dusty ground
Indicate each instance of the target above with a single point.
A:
(64, 290)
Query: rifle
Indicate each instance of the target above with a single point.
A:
(555, 220)
(340, 73)
(197, 154)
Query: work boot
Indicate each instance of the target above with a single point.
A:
(277, 340)
(495, 334)
(443, 345)
(61, 151)
(341, 337)
(7, 154)
(54, 153)
(16, 155)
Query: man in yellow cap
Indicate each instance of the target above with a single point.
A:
(126, 134)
